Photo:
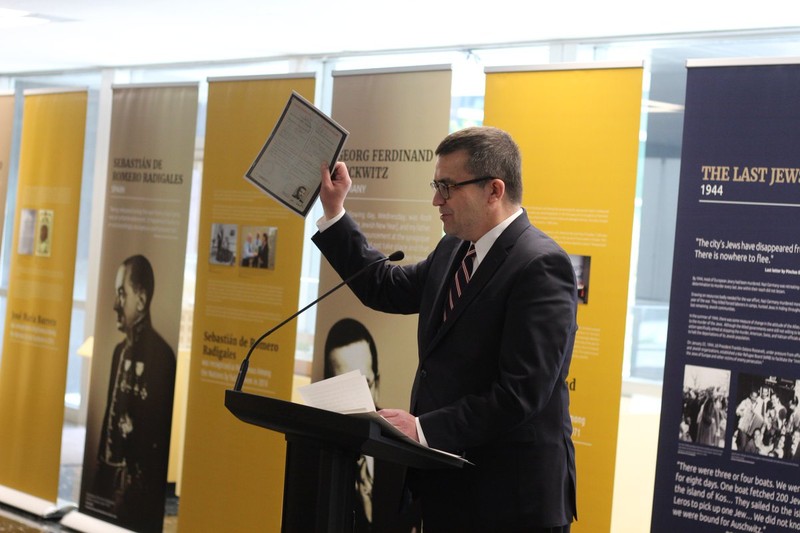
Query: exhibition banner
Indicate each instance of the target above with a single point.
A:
(140, 287)
(248, 280)
(6, 131)
(729, 442)
(578, 130)
(33, 371)
(396, 118)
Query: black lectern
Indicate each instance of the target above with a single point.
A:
(322, 448)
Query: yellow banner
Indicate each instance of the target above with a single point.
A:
(578, 130)
(36, 339)
(6, 130)
(248, 280)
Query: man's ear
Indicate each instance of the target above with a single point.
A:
(141, 301)
(497, 189)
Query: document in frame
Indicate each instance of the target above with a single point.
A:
(288, 165)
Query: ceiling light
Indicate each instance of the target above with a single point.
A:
(14, 18)
(654, 106)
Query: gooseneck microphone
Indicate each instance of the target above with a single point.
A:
(396, 256)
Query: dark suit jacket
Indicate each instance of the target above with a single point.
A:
(146, 397)
(491, 381)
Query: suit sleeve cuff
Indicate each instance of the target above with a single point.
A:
(420, 434)
(323, 223)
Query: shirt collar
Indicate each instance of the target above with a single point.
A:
(483, 244)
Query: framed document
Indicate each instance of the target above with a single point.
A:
(287, 167)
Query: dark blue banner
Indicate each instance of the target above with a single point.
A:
(729, 442)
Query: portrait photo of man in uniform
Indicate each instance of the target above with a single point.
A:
(131, 475)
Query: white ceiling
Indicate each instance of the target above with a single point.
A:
(105, 33)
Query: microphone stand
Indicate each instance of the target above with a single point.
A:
(396, 256)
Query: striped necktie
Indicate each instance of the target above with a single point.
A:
(460, 280)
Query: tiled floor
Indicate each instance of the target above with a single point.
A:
(13, 521)
(16, 521)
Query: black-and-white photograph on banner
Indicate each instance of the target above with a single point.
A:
(767, 417)
(131, 459)
(706, 393)
(27, 231)
(223, 244)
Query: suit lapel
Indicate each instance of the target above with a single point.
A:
(434, 319)
(483, 275)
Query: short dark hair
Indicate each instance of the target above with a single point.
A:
(140, 272)
(492, 152)
(343, 333)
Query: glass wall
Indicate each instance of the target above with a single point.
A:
(657, 186)
(657, 183)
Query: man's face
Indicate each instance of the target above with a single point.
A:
(128, 303)
(464, 214)
(355, 356)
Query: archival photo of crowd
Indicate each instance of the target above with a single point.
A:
(705, 405)
(767, 417)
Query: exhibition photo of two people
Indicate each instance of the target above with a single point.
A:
(496, 300)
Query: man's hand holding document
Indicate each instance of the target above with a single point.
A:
(346, 394)
(349, 394)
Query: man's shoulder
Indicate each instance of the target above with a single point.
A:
(155, 342)
(522, 231)
(534, 241)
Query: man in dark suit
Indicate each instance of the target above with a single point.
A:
(491, 378)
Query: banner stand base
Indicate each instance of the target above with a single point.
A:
(89, 524)
(33, 505)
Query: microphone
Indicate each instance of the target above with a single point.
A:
(396, 256)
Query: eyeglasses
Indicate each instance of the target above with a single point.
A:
(444, 188)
